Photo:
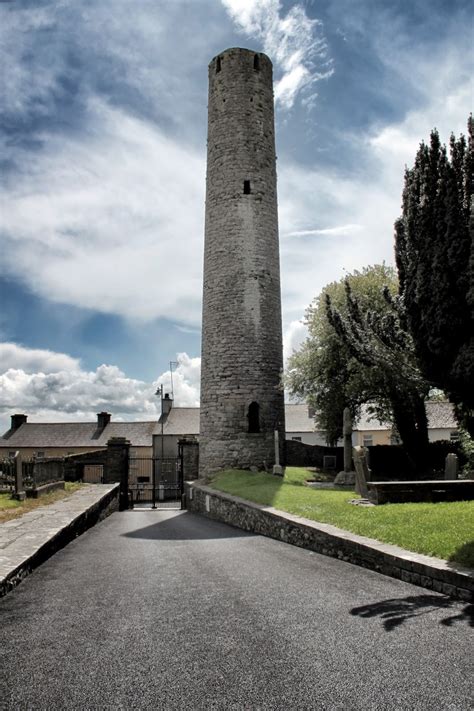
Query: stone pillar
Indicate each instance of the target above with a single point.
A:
(189, 453)
(242, 354)
(451, 467)
(277, 468)
(20, 493)
(362, 475)
(347, 431)
(116, 466)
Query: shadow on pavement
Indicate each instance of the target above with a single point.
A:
(186, 527)
(396, 611)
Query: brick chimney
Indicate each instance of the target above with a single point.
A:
(166, 404)
(103, 419)
(18, 421)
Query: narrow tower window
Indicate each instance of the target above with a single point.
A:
(218, 64)
(254, 417)
(246, 187)
(256, 62)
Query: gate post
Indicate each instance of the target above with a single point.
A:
(116, 468)
(20, 493)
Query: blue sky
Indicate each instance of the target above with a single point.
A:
(102, 150)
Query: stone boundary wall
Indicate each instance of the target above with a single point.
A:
(300, 454)
(108, 504)
(74, 463)
(431, 573)
(44, 489)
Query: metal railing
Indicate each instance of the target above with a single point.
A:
(34, 472)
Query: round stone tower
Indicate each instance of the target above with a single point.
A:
(242, 355)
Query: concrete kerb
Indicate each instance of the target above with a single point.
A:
(425, 571)
(28, 541)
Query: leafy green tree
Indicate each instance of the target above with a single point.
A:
(358, 352)
(375, 337)
(323, 371)
(434, 247)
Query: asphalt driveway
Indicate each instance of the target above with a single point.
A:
(168, 610)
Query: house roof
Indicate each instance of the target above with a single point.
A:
(181, 421)
(78, 434)
(297, 418)
(440, 416)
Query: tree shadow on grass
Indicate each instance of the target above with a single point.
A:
(463, 556)
(396, 611)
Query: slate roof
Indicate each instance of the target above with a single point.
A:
(185, 420)
(181, 421)
(297, 418)
(440, 416)
(78, 434)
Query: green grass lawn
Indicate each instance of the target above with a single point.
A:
(443, 530)
(11, 508)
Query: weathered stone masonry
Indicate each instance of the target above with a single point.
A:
(242, 339)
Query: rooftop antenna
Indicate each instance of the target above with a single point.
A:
(172, 363)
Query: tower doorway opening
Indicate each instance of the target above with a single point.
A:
(253, 417)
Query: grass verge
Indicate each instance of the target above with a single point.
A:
(443, 530)
(10, 508)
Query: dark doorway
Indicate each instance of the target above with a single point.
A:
(254, 417)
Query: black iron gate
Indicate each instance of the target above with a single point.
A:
(155, 482)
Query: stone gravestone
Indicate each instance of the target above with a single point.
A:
(20, 493)
(277, 468)
(346, 477)
(362, 474)
(451, 467)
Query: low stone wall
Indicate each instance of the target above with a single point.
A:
(103, 506)
(431, 573)
(300, 454)
(44, 489)
(74, 463)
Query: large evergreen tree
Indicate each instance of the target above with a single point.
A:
(434, 248)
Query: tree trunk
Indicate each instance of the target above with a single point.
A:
(409, 414)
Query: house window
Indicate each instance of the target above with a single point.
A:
(39, 455)
(11, 455)
(253, 417)
(454, 436)
(296, 439)
(246, 187)
(367, 440)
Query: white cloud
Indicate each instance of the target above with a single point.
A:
(113, 222)
(186, 381)
(340, 230)
(33, 360)
(348, 219)
(293, 336)
(61, 391)
(294, 42)
(53, 387)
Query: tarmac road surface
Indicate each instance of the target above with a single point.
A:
(168, 610)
